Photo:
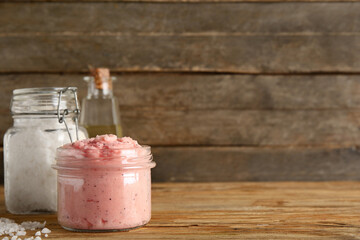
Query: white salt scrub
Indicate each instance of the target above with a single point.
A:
(30, 182)
(30, 146)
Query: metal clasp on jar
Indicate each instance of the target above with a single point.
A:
(76, 111)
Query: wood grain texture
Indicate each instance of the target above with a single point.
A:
(287, 210)
(276, 126)
(172, 109)
(241, 127)
(103, 18)
(206, 164)
(180, 1)
(238, 38)
(226, 164)
(235, 54)
(209, 91)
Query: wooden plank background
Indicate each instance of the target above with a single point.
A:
(266, 90)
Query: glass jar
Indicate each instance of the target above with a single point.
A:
(30, 146)
(107, 193)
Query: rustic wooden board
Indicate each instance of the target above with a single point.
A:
(243, 127)
(287, 210)
(239, 38)
(180, 1)
(236, 54)
(119, 18)
(207, 164)
(209, 91)
(177, 109)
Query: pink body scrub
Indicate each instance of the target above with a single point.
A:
(104, 184)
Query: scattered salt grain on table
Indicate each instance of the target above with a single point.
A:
(9, 227)
(21, 233)
(29, 225)
(46, 230)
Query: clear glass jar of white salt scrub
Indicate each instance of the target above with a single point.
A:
(104, 184)
(30, 146)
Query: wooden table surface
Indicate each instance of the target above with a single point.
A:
(263, 210)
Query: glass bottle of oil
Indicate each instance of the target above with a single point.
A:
(100, 109)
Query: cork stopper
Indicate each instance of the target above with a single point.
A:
(102, 78)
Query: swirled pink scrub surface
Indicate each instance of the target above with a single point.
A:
(104, 183)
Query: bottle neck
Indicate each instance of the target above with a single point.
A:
(99, 89)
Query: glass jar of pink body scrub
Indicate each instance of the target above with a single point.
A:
(104, 184)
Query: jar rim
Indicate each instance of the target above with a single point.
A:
(44, 101)
(113, 167)
(104, 158)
